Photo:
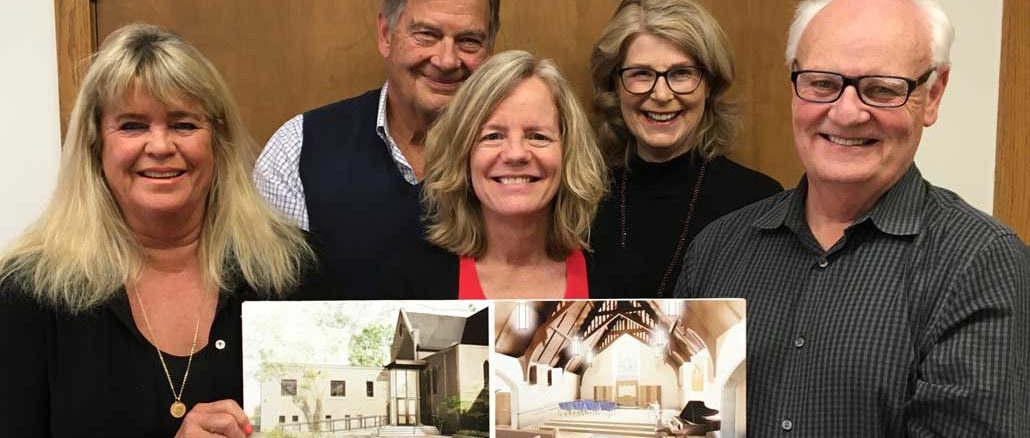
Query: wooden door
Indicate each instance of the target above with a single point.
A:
(284, 57)
(502, 413)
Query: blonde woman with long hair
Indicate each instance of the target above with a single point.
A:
(513, 178)
(121, 304)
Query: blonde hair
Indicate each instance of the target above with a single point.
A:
(693, 29)
(453, 216)
(81, 252)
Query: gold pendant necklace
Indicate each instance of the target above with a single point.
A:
(177, 408)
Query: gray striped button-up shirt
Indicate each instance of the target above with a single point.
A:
(915, 323)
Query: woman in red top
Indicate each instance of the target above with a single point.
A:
(513, 179)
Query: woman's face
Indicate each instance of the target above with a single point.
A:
(157, 159)
(516, 162)
(663, 122)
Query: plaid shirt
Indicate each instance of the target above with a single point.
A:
(277, 172)
(916, 323)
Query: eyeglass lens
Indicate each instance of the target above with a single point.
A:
(681, 80)
(874, 90)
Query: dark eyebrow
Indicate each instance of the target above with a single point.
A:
(132, 116)
(416, 25)
(421, 25)
(183, 113)
(480, 35)
(674, 66)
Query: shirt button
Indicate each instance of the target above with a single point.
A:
(786, 425)
(220, 344)
(823, 263)
(799, 342)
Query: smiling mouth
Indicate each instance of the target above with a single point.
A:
(515, 179)
(661, 117)
(845, 141)
(448, 84)
(161, 175)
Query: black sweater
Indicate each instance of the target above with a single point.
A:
(657, 198)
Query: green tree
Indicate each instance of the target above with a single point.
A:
(369, 348)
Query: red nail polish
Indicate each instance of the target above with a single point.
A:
(248, 430)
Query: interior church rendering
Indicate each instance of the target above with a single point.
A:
(620, 368)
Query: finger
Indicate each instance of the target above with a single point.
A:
(230, 407)
(191, 429)
(222, 425)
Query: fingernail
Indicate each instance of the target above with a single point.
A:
(248, 430)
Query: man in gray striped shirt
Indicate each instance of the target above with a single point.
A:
(878, 304)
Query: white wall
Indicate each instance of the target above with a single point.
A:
(653, 371)
(958, 152)
(29, 121)
(533, 404)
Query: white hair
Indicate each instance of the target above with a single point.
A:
(942, 33)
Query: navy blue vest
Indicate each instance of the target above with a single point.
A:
(361, 211)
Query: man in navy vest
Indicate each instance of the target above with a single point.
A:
(348, 172)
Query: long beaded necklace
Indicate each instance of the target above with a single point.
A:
(624, 230)
(177, 408)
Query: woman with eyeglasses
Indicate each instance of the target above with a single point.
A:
(660, 70)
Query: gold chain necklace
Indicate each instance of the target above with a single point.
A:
(178, 408)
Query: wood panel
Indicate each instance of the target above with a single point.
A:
(758, 34)
(502, 414)
(1011, 177)
(282, 58)
(76, 41)
(648, 394)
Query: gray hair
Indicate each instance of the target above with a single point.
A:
(391, 9)
(942, 33)
(693, 29)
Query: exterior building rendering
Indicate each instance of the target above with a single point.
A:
(437, 377)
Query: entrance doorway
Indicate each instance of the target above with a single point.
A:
(404, 395)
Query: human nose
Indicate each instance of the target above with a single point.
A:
(160, 142)
(446, 57)
(516, 150)
(661, 90)
(849, 108)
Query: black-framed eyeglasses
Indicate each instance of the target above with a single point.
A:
(641, 80)
(878, 91)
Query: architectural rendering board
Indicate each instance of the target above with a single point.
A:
(631, 368)
(368, 368)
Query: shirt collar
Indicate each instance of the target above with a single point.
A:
(382, 126)
(898, 211)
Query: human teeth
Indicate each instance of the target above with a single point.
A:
(169, 174)
(847, 141)
(661, 117)
(514, 180)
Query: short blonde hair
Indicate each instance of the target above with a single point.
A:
(453, 216)
(81, 252)
(693, 29)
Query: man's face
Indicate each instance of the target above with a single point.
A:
(434, 46)
(847, 142)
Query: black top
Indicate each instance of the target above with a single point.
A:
(95, 375)
(916, 323)
(657, 198)
(361, 210)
